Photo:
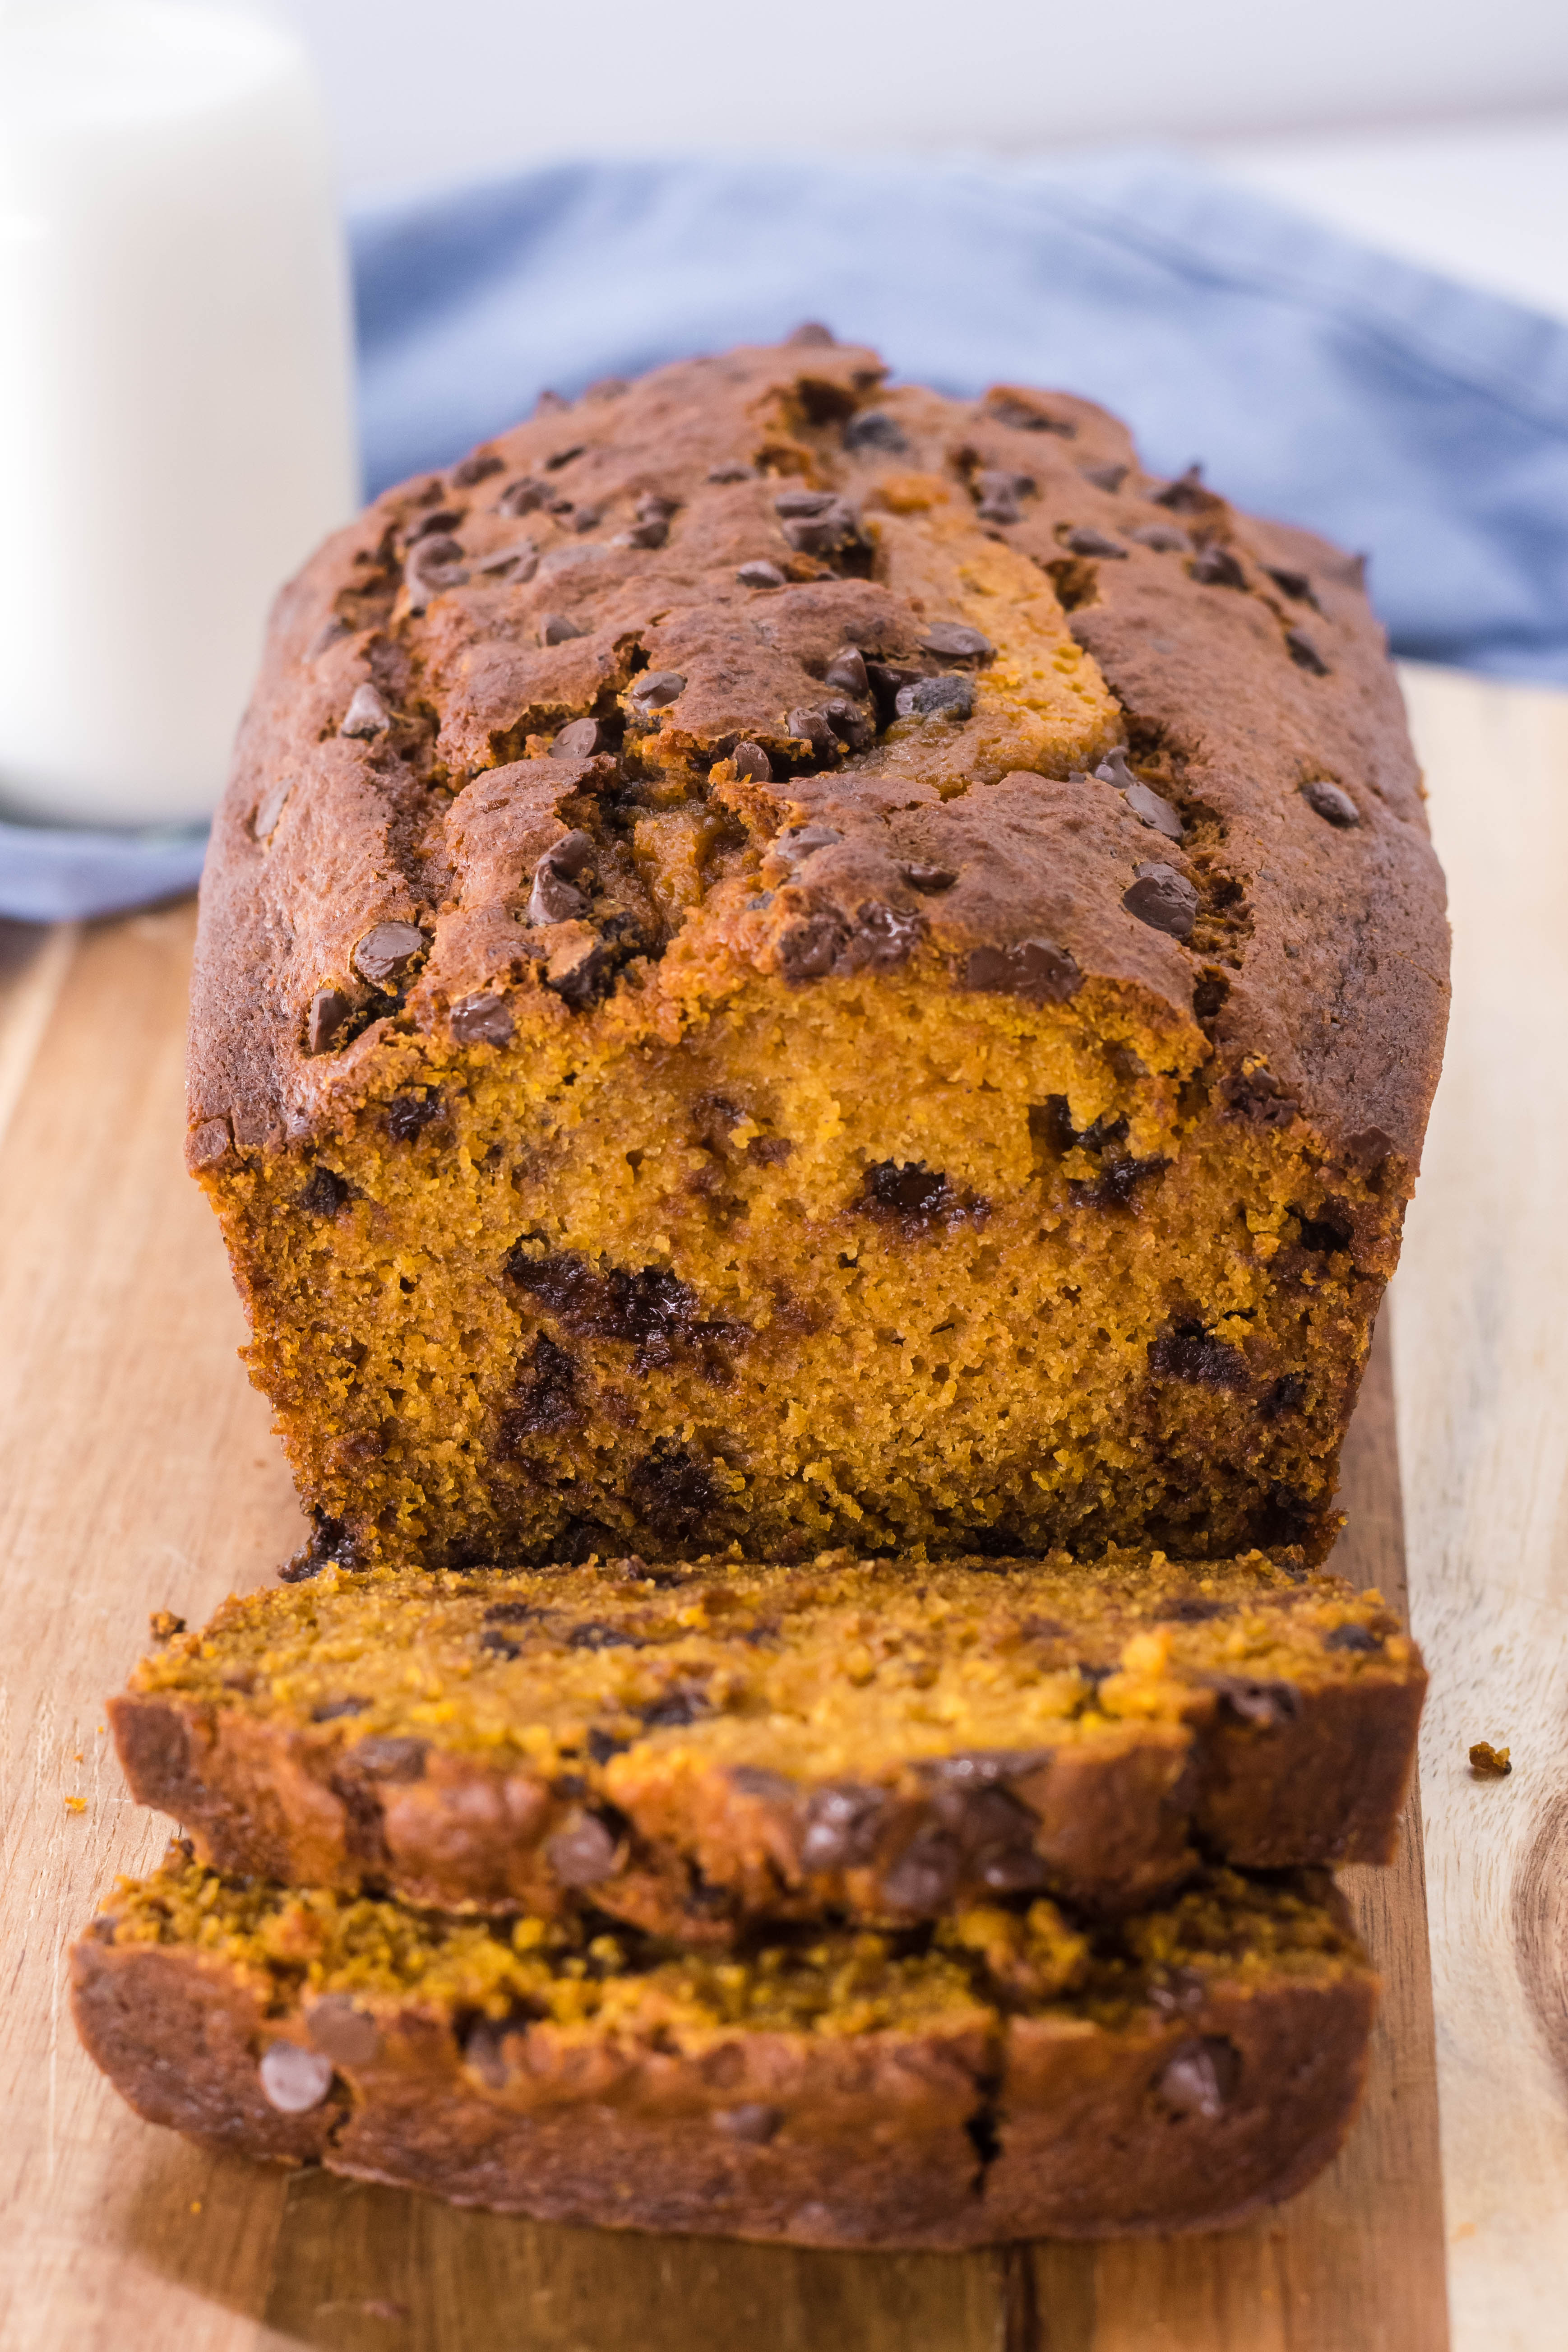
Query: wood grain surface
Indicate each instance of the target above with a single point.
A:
(137, 1472)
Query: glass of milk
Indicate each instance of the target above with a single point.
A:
(175, 385)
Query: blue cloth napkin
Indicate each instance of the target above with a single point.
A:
(1404, 415)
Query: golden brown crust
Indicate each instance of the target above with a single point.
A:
(1186, 2107)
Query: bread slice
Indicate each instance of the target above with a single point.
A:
(694, 1748)
(789, 963)
(1008, 2077)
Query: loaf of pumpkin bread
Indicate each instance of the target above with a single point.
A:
(791, 962)
(701, 1749)
(1012, 2074)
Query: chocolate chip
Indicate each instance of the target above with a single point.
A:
(407, 1115)
(1305, 654)
(558, 629)
(390, 1758)
(332, 633)
(565, 456)
(1187, 494)
(999, 495)
(544, 1403)
(294, 2080)
(1032, 969)
(734, 469)
(484, 2051)
(330, 1008)
(1151, 810)
(1331, 803)
(907, 1191)
(384, 955)
(481, 1021)
(873, 429)
(753, 764)
(676, 1709)
(1114, 1188)
(811, 727)
(847, 671)
(673, 1490)
(1084, 540)
(522, 497)
(925, 1877)
(1189, 1353)
(1189, 1609)
(817, 527)
(1294, 584)
(595, 1634)
(511, 1613)
(761, 574)
(329, 1540)
(346, 2034)
(336, 1709)
(603, 1744)
(1163, 899)
(1165, 538)
(652, 533)
(654, 507)
(580, 973)
(811, 331)
(585, 518)
(554, 898)
(655, 690)
(432, 567)
(578, 739)
(476, 469)
(928, 879)
(799, 501)
(366, 715)
(811, 950)
(1216, 567)
(946, 696)
(583, 1853)
(325, 1193)
(1202, 2078)
(516, 563)
(1368, 1149)
(952, 641)
(494, 1643)
(842, 1826)
(550, 404)
(1006, 408)
(1352, 1637)
(1284, 1396)
(850, 723)
(752, 2123)
(435, 525)
(882, 938)
(1263, 1704)
(1105, 478)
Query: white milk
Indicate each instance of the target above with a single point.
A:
(175, 429)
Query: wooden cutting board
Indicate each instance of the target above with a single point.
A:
(137, 1472)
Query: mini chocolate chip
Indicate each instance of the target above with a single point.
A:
(1086, 540)
(1165, 538)
(432, 567)
(384, 955)
(476, 469)
(1216, 567)
(1332, 802)
(820, 534)
(1200, 2079)
(925, 1877)
(431, 526)
(842, 1828)
(587, 517)
(408, 1116)
(810, 951)
(1114, 769)
(761, 574)
(652, 533)
(930, 878)
(908, 1191)
(565, 456)
(1284, 1396)
(850, 723)
(655, 690)
(811, 727)
(336, 1709)
(346, 2034)
(294, 2080)
(931, 697)
(798, 502)
(952, 641)
(516, 563)
(481, 1021)
(811, 331)
(390, 1758)
(752, 2123)
(1263, 1704)
(1294, 584)
(753, 764)
(847, 671)
(654, 507)
(522, 497)
(1163, 899)
(325, 1193)
(1352, 1637)
(1187, 494)
(1150, 809)
(603, 1744)
(494, 1643)
(1189, 1609)
(558, 629)
(999, 496)
(677, 1709)
(578, 739)
(872, 429)
(734, 469)
(484, 2051)
(330, 1008)
(1305, 654)
(553, 899)
(1105, 478)
(1191, 1353)
(366, 715)
(1006, 408)
(1032, 969)
(583, 1853)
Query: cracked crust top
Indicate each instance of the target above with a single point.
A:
(757, 666)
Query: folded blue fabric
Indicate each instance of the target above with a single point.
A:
(1402, 414)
